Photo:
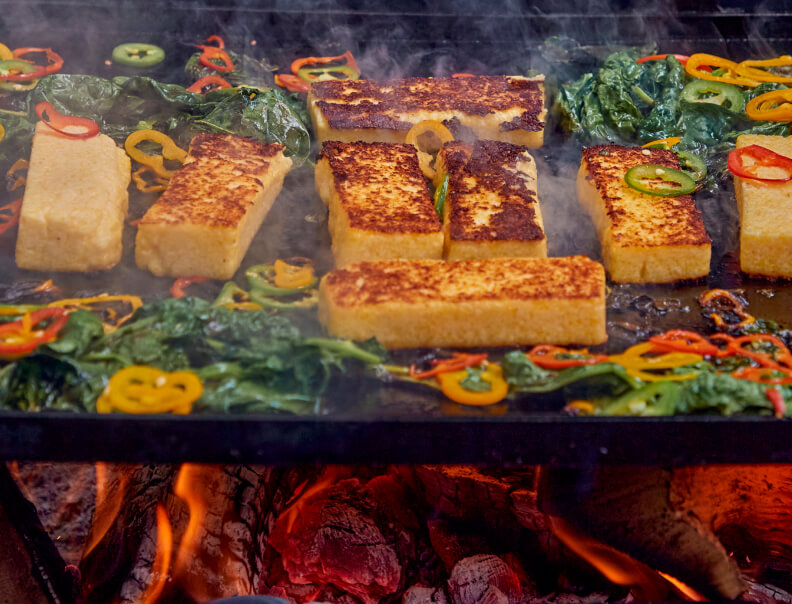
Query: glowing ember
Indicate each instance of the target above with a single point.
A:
(304, 494)
(159, 570)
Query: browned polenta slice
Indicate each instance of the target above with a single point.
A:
(379, 203)
(491, 208)
(493, 302)
(505, 108)
(645, 238)
(214, 205)
(765, 214)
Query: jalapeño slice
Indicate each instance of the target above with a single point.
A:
(659, 180)
(717, 93)
(137, 54)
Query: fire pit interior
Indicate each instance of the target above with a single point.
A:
(413, 534)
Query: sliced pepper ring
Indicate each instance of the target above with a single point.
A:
(54, 64)
(208, 83)
(715, 93)
(772, 106)
(10, 220)
(144, 389)
(212, 53)
(697, 66)
(138, 54)
(451, 386)
(663, 143)
(662, 181)
(170, 150)
(762, 157)
(90, 304)
(86, 128)
(748, 69)
(547, 357)
(143, 185)
(22, 337)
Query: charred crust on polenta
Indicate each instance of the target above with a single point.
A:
(385, 169)
(352, 104)
(485, 167)
(206, 175)
(423, 281)
(681, 222)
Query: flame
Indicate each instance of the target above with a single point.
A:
(690, 593)
(324, 481)
(616, 566)
(161, 565)
(108, 504)
(186, 488)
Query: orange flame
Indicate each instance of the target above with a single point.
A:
(324, 481)
(690, 593)
(188, 477)
(616, 566)
(161, 565)
(108, 504)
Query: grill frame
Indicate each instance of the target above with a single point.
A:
(421, 432)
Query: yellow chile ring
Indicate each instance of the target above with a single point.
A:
(144, 389)
(450, 384)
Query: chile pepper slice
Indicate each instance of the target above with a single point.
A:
(451, 386)
(316, 74)
(220, 42)
(681, 340)
(314, 61)
(10, 220)
(207, 83)
(182, 283)
(762, 157)
(659, 180)
(291, 82)
(777, 400)
(681, 58)
(138, 54)
(773, 106)
(20, 338)
(54, 64)
(748, 69)
(697, 65)
(726, 95)
(210, 53)
(59, 122)
(546, 356)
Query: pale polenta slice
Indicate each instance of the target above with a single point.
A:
(504, 108)
(379, 202)
(644, 238)
(493, 302)
(215, 203)
(491, 207)
(765, 214)
(75, 203)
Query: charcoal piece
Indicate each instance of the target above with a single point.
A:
(331, 537)
(483, 579)
(420, 594)
(64, 495)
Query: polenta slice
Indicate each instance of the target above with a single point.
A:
(379, 202)
(493, 302)
(75, 203)
(505, 108)
(491, 207)
(765, 215)
(645, 238)
(215, 203)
